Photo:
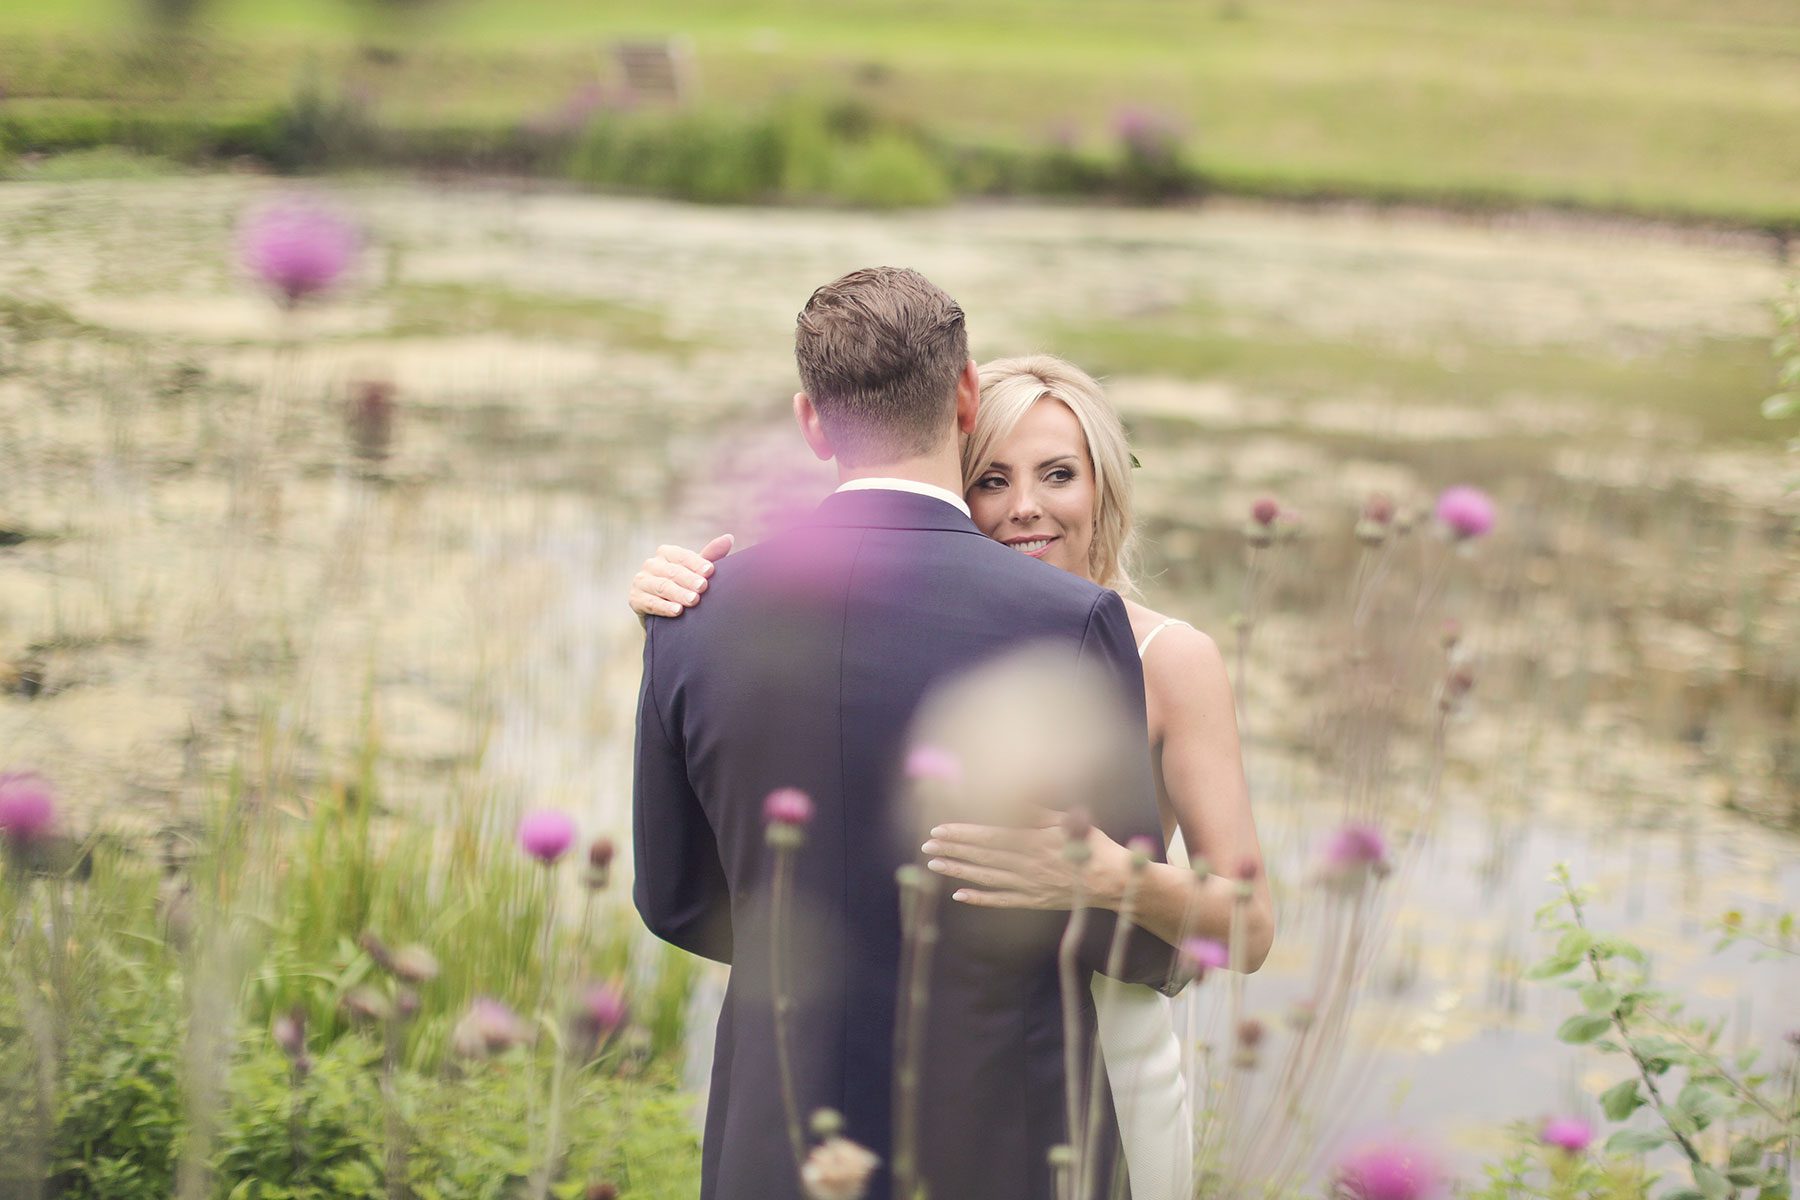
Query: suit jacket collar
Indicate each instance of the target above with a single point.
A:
(880, 508)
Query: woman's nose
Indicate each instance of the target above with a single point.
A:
(1025, 505)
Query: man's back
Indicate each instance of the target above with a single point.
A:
(803, 668)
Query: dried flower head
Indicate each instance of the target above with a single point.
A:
(27, 807)
(826, 1122)
(838, 1169)
(1465, 512)
(601, 1191)
(1569, 1134)
(290, 1032)
(1388, 1171)
(1250, 1032)
(297, 248)
(365, 1003)
(546, 835)
(599, 864)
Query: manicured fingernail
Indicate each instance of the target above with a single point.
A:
(931, 847)
(706, 569)
(959, 895)
(690, 597)
(936, 864)
(938, 832)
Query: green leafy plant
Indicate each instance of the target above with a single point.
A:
(1733, 1121)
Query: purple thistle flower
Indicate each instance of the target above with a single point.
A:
(1570, 1134)
(489, 1027)
(1354, 853)
(297, 248)
(27, 807)
(603, 1009)
(1200, 955)
(1265, 510)
(788, 806)
(1388, 1171)
(1466, 512)
(546, 835)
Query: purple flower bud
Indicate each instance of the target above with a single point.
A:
(297, 248)
(366, 1004)
(27, 807)
(1379, 508)
(1250, 1033)
(1466, 512)
(1264, 511)
(1144, 851)
(1388, 1171)
(933, 764)
(1569, 1134)
(1076, 824)
(1352, 855)
(788, 806)
(546, 835)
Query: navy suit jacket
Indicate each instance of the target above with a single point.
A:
(803, 668)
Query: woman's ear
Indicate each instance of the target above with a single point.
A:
(811, 428)
(968, 396)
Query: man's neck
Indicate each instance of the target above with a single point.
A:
(939, 470)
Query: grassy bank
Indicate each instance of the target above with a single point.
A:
(1677, 108)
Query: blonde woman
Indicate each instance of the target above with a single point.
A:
(1047, 470)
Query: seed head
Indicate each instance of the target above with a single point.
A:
(599, 864)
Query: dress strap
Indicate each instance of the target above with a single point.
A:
(1144, 646)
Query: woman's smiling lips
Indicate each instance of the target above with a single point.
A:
(1034, 546)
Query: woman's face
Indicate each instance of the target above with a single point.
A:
(1037, 496)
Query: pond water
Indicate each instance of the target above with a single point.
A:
(578, 378)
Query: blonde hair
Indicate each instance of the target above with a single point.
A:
(1009, 387)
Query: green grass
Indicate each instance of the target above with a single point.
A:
(438, 309)
(1703, 382)
(1678, 107)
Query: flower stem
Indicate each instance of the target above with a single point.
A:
(1097, 1076)
(1071, 1014)
(919, 914)
(783, 884)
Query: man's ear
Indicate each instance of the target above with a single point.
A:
(811, 428)
(968, 397)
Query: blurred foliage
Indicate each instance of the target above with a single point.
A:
(1680, 1073)
(1785, 403)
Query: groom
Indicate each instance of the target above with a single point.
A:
(802, 670)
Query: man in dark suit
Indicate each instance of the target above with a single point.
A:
(803, 669)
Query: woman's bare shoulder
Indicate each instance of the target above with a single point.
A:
(1183, 661)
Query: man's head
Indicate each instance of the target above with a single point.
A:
(884, 358)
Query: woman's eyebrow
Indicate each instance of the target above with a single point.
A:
(1059, 458)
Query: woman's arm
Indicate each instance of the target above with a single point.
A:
(671, 580)
(1203, 772)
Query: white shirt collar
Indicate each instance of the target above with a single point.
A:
(907, 485)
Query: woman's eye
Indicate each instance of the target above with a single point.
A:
(1061, 475)
(990, 483)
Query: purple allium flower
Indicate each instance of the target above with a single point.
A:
(788, 806)
(1466, 512)
(1143, 847)
(1571, 1134)
(547, 834)
(1077, 824)
(489, 1027)
(1379, 508)
(27, 807)
(1200, 955)
(1388, 1171)
(1265, 510)
(297, 248)
(933, 763)
(603, 1009)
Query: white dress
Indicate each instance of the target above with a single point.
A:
(1143, 1067)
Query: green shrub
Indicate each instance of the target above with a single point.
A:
(889, 171)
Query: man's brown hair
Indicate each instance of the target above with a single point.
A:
(879, 353)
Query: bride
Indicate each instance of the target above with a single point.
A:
(1047, 470)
